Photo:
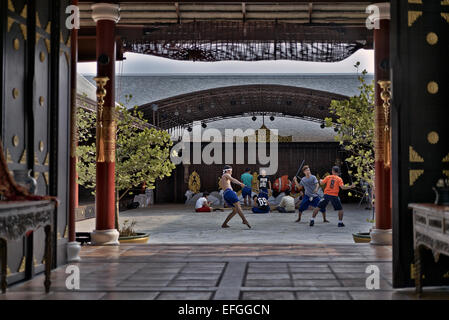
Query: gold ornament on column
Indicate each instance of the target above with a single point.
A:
(385, 95)
(194, 182)
(101, 93)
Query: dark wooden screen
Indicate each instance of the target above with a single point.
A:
(420, 113)
(35, 86)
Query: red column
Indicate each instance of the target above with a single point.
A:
(106, 16)
(382, 232)
(73, 247)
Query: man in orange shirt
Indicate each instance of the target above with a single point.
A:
(333, 184)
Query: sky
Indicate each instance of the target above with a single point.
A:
(145, 64)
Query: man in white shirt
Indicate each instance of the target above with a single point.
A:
(202, 204)
(287, 204)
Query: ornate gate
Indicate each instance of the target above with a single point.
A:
(420, 113)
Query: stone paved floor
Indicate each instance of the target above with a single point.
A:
(243, 271)
(178, 224)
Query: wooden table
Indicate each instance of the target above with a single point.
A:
(16, 219)
(431, 231)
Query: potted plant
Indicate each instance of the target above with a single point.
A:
(129, 235)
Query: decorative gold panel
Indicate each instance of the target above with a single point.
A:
(432, 38)
(38, 22)
(42, 56)
(23, 158)
(24, 30)
(46, 161)
(11, 6)
(10, 23)
(22, 265)
(414, 156)
(16, 44)
(36, 175)
(446, 158)
(41, 146)
(41, 101)
(414, 175)
(15, 141)
(413, 16)
(24, 12)
(415, 1)
(8, 157)
(446, 172)
(432, 87)
(15, 93)
(445, 16)
(45, 174)
(36, 160)
(433, 137)
(47, 44)
(445, 2)
(48, 29)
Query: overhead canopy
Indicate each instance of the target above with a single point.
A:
(236, 101)
(215, 31)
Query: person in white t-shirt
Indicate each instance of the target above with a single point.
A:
(287, 204)
(202, 204)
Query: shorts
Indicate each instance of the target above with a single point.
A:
(246, 191)
(230, 197)
(305, 203)
(260, 210)
(335, 200)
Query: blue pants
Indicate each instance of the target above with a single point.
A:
(336, 203)
(305, 203)
(230, 197)
(246, 191)
(260, 210)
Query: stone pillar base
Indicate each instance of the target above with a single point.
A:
(73, 250)
(381, 237)
(105, 237)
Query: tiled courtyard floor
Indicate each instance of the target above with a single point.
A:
(232, 271)
(179, 224)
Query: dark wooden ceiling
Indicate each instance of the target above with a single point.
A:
(141, 20)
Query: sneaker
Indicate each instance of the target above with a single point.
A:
(341, 224)
(311, 223)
